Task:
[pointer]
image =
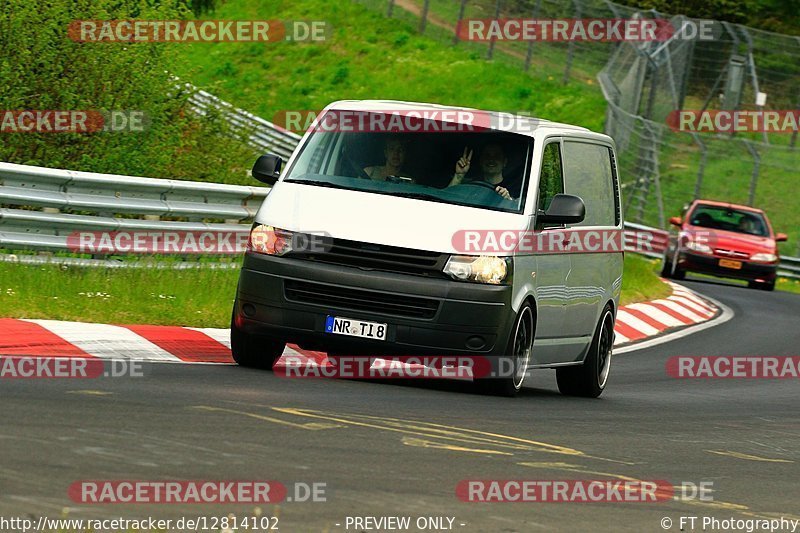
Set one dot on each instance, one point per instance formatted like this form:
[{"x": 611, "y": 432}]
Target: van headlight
[
  {"x": 764, "y": 258},
  {"x": 270, "y": 241},
  {"x": 479, "y": 269}
]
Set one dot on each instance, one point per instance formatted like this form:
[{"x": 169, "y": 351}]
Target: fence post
[
  {"x": 698, "y": 186},
  {"x": 490, "y": 51},
  {"x": 756, "y": 164},
  {"x": 424, "y": 16},
  {"x": 529, "y": 53},
  {"x": 390, "y": 9},
  {"x": 460, "y": 18},
  {"x": 571, "y": 46},
  {"x": 793, "y": 140}
]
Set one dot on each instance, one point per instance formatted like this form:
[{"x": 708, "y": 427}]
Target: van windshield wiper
[
  {"x": 319, "y": 184},
  {"x": 420, "y": 196}
]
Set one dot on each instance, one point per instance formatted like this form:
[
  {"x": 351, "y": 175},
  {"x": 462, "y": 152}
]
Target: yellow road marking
[
  {"x": 313, "y": 426},
  {"x": 748, "y": 457},
  {"x": 422, "y": 443},
  {"x": 439, "y": 431}
]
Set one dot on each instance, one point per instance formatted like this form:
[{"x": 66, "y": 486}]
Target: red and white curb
[
  {"x": 636, "y": 322},
  {"x": 54, "y": 338}
]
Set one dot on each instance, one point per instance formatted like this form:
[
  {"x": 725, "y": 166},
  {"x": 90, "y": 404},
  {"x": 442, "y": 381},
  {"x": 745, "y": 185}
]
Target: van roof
[{"x": 522, "y": 124}]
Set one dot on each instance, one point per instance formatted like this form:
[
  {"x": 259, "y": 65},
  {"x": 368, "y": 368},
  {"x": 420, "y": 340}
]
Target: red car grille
[{"x": 731, "y": 253}]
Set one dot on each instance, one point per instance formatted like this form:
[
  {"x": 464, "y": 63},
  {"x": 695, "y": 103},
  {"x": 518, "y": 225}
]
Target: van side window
[
  {"x": 551, "y": 179},
  {"x": 588, "y": 173}
]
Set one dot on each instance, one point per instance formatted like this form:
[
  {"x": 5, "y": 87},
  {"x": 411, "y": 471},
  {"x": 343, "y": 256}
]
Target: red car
[{"x": 727, "y": 240}]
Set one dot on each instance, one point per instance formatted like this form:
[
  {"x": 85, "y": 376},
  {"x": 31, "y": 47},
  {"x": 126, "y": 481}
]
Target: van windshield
[{"x": 486, "y": 169}]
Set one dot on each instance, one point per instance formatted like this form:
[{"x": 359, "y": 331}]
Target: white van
[{"x": 411, "y": 205}]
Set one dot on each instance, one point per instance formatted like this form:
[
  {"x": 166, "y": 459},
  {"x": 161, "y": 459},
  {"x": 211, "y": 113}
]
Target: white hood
[{"x": 378, "y": 218}]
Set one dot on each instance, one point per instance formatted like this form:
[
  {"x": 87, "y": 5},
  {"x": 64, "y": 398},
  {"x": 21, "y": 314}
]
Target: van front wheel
[
  {"x": 254, "y": 351},
  {"x": 519, "y": 353},
  {"x": 589, "y": 379}
]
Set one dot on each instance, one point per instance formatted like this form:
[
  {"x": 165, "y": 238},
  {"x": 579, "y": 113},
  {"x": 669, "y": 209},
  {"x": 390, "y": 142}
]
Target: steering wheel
[
  {"x": 396, "y": 178},
  {"x": 359, "y": 171},
  {"x": 481, "y": 183}
]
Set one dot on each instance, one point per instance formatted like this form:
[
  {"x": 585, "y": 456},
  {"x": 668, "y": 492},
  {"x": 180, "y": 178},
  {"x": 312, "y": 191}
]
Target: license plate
[
  {"x": 355, "y": 328},
  {"x": 727, "y": 263}
]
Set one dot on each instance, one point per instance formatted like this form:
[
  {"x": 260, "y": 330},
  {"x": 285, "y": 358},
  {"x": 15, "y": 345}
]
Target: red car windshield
[{"x": 729, "y": 219}]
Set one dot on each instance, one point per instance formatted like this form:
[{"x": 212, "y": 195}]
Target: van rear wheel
[
  {"x": 519, "y": 349},
  {"x": 589, "y": 379},
  {"x": 254, "y": 351}
]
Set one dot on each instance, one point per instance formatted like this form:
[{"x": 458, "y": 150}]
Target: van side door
[
  {"x": 551, "y": 268},
  {"x": 596, "y": 266}
]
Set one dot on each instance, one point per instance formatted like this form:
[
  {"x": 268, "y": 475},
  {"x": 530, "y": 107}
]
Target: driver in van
[
  {"x": 492, "y": 160},
  {"x": 394, "y": 153}
]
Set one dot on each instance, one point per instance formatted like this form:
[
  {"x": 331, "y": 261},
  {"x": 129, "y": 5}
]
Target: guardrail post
[{"x": 390, "y": 9}]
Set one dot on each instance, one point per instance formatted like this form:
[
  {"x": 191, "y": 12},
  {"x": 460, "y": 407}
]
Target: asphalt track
[{"x": 400, "y": 449}]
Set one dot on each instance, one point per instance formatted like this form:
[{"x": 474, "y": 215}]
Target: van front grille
[
  {"x": 333, "y": 296},
  {"x": 377, "y": 257}
]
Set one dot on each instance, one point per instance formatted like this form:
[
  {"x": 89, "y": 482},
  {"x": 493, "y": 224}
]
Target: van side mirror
[
  {"x": 781, "y": 237},
  {"x": 564, "y": 209},
  {"x": 267, "y": 168},
  {"x": 676, "y": 221}
]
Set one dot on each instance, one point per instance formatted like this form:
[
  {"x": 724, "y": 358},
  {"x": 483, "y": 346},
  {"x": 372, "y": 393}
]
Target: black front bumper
[
  {"x": 452, "y": 318},
  {"x": 708, "y": 264}
]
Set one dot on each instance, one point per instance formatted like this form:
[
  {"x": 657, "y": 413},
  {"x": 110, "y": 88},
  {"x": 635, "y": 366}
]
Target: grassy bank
[
  {"x": 370, "y": 56},
  {"x": 195, "y": 297}
]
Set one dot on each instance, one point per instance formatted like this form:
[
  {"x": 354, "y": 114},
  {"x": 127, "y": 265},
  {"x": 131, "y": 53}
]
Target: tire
[
  {"x": 254, "y": 351},
  {"x": 666, "y": 266},
  {"x": 669, "y": 268},
  {"x": 589, "y": 379},
  {"x": 520, "y": 347}
]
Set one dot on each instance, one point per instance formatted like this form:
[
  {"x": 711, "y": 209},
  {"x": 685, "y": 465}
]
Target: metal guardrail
[
  {"x": 43, "y": 206},
  {"x": 789, "y": 267},
  {"x": 645, "y": 240},
  {"x": 260, "y": 133},
  {"x": 113, "y": 203}
]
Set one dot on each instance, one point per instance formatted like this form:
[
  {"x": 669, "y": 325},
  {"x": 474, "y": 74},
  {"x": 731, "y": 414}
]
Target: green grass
[
  {"x": 369, "y": 56},
  {"x": 200, "y": 297},
  {"x": 640, "y": 282}
]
